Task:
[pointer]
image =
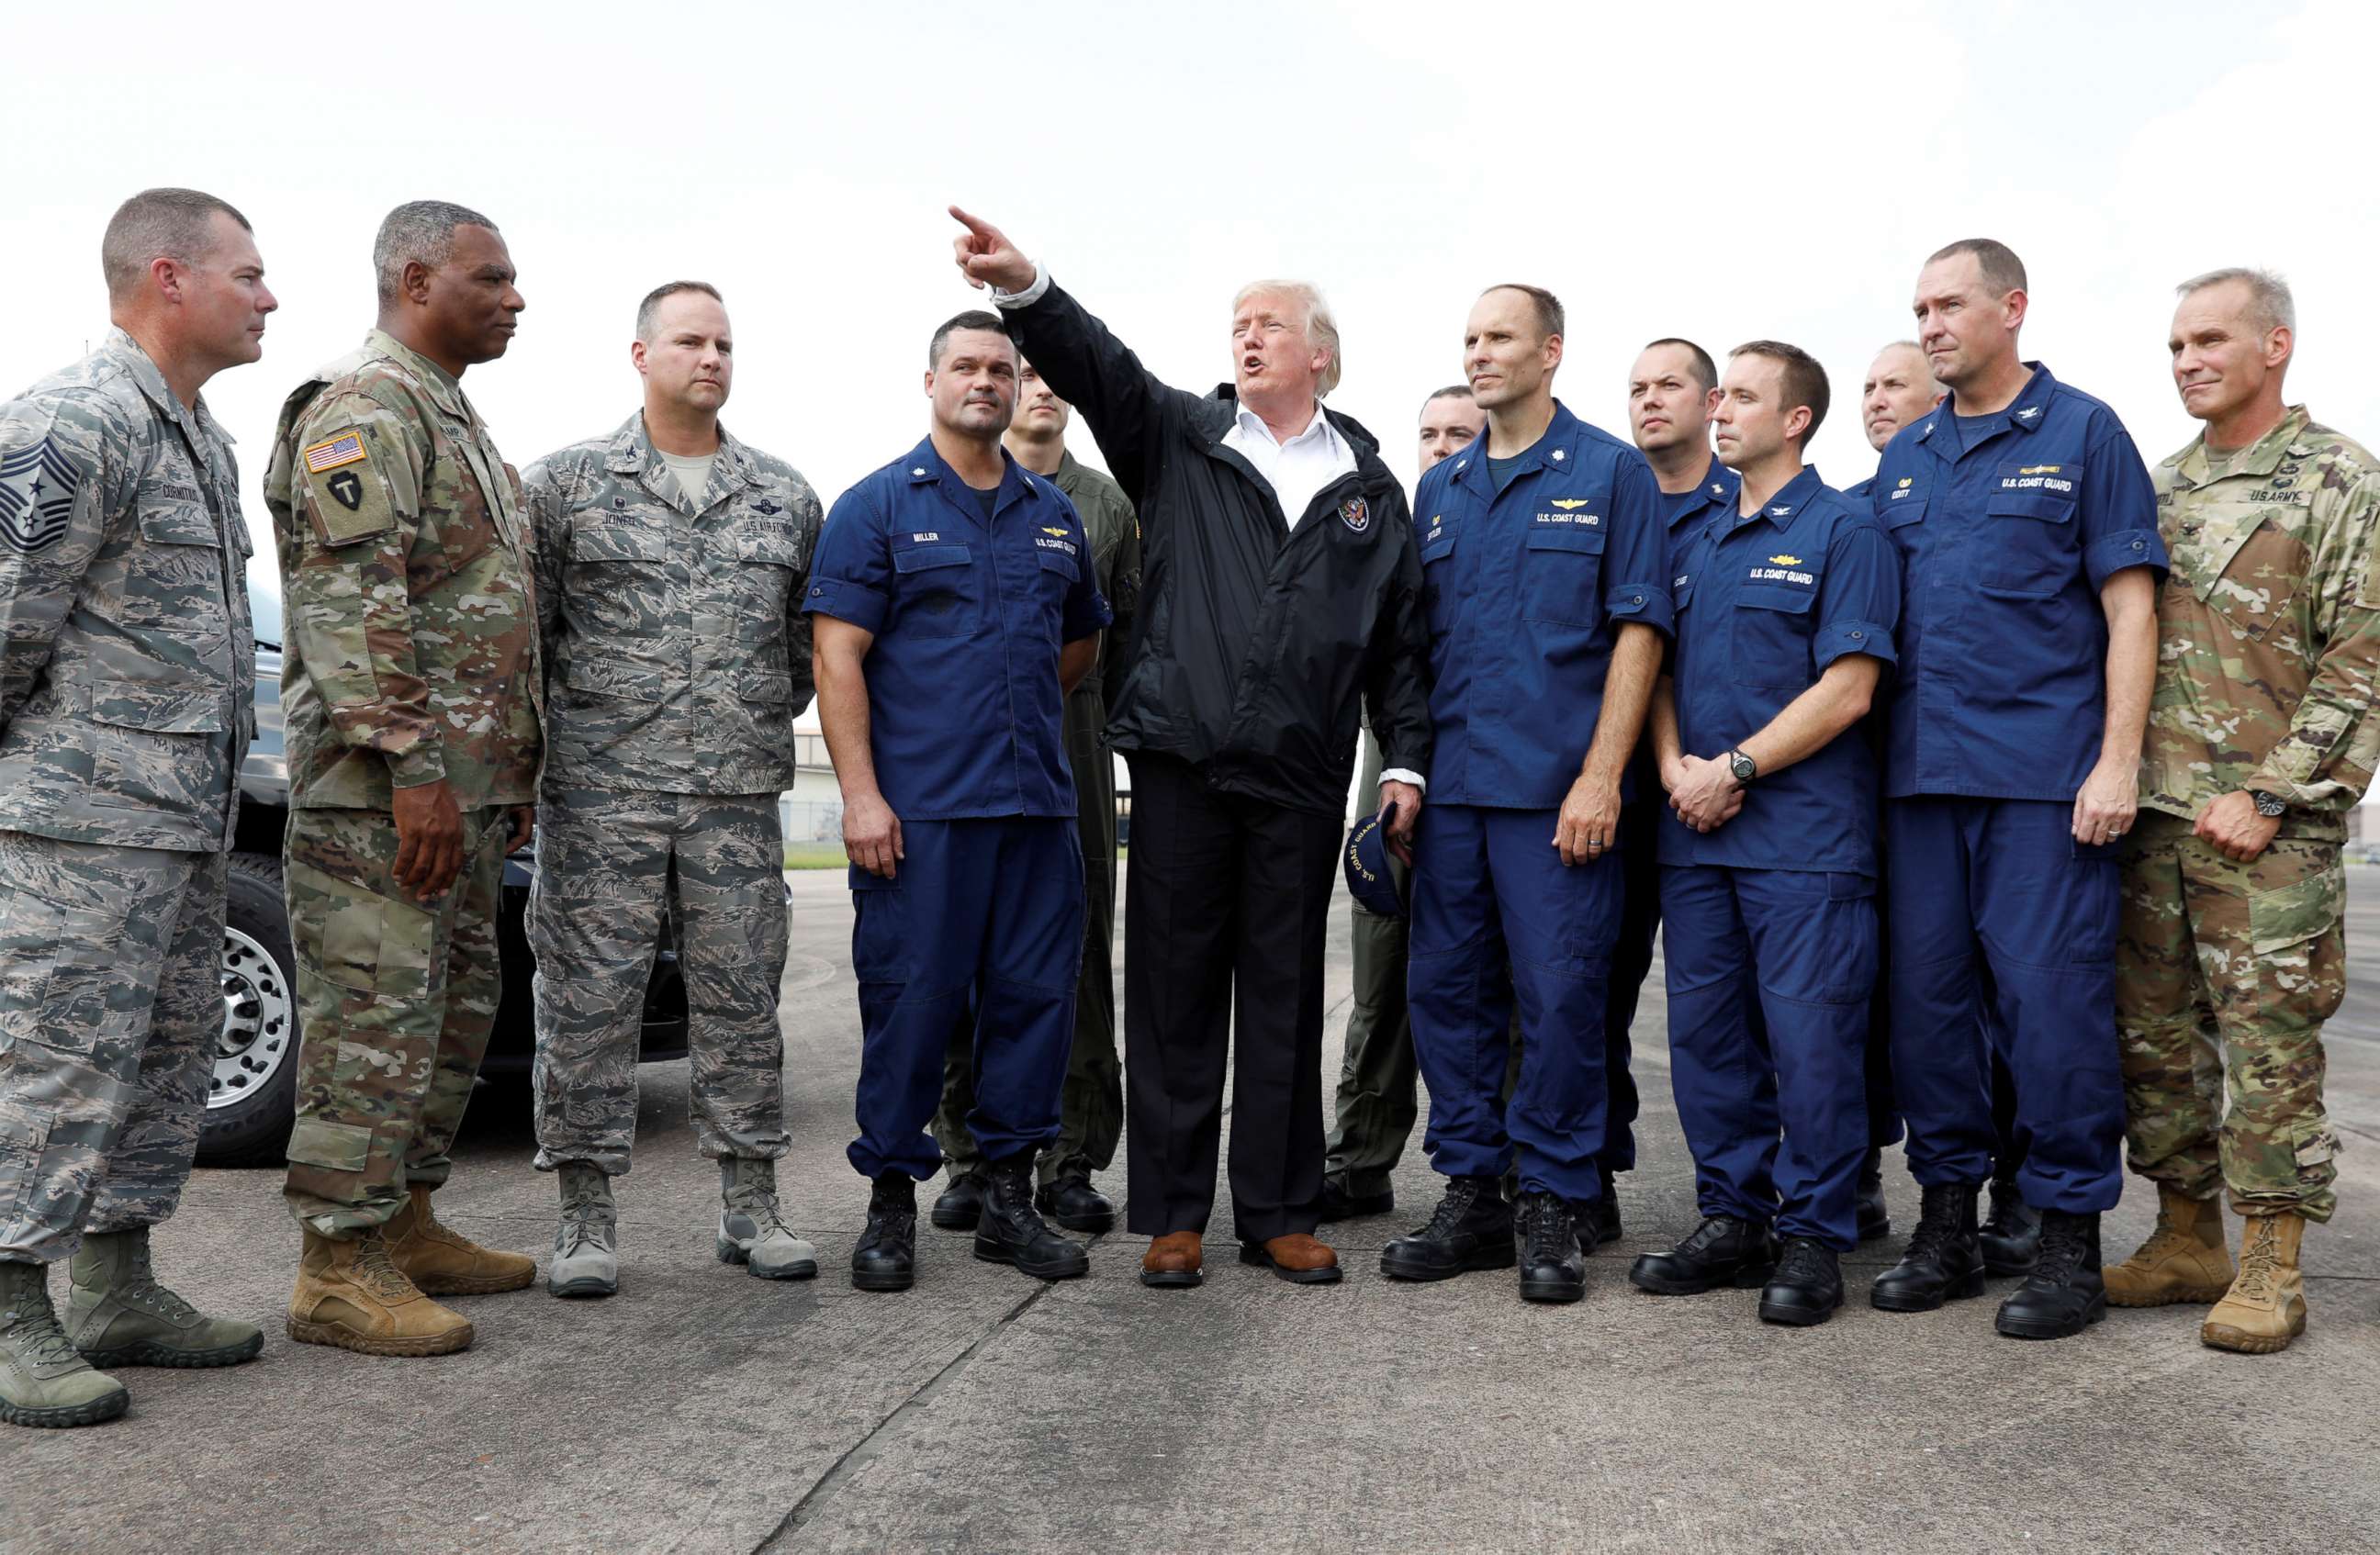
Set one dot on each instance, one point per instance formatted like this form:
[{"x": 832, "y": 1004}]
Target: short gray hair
[
  {"x": 1321, "y": 330},
  {"x": 654, "y": 298},
  {"x": 420, "y": 231},
  {"x": 2270, "y": 304},
  {"x": 174, "y": 225}
]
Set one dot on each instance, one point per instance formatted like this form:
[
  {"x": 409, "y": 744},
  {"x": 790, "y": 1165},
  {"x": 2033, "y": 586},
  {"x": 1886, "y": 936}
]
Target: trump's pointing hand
[{"x": 987, "y": 258}]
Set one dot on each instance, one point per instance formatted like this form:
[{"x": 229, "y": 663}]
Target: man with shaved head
[
  {"x": 1546, "y": 604},
  {"x": 1283, "y": 590},
  {"x": 413, "y": 688},
  {"x": 126, "y": 679},
  {"x": 659, "y": 800}
]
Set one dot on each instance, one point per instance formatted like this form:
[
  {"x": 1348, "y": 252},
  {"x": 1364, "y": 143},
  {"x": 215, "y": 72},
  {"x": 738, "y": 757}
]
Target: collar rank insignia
[
  {"x": 1354, "y": 514},
  {"x": 1557, "y": 455},
  {"x": 1567, "y": 503},
  {"x": 1780, "y": 512},
  {"x": 2028, "y": 413},
  {"x": 1718, "y": 490},
  {"x": 37, "y": 497}
]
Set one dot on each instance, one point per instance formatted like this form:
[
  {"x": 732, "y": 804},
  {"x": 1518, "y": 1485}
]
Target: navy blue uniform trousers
[
  {"x": 1769, "y": 975},
  {"x": 980, "y": 928},
  {"x": 1489, "y": 889},
  {"x": 2004, "y": 937}
]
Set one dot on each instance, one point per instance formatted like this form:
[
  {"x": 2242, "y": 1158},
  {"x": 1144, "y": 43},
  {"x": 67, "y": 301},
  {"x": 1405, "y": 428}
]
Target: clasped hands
[{"x": 1702, "y": 790}]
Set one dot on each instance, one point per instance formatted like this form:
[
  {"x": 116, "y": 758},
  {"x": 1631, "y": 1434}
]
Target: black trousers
[{"x": 1227, "y": 905}]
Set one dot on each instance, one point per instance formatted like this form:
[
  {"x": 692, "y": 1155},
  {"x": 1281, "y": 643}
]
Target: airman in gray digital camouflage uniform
[
  {"x": 127, "y": 667},
  {"x": 672, "y": 560}
]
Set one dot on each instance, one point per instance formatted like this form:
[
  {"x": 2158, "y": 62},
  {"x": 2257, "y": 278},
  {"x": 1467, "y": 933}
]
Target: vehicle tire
[{"x": 253, "y": 1096}]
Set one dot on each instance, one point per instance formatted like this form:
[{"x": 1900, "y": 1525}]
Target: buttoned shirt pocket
[
  {"x": 768, "y": 580},
  {"x": 1437, "y": 583},
  {"x": 1562, "y": 575},
  {"x": 938, "y": 591},
  {"x": 1772, "y": 627},
  {"x": 616, "y": 585},
  {"x": 2247, "y": 566},
  {"x": 2029, "y": 545},
  {"x": 1059, "y": 574}
]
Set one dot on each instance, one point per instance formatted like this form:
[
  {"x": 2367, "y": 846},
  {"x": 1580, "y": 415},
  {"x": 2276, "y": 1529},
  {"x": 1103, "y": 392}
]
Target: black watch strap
[{"x": 1743, "y": 767}]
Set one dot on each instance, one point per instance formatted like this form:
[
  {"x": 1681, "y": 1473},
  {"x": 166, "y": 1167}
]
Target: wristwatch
[
  {"x": 2270, "y": 806},
  {"x": 1741, "y": 766}
]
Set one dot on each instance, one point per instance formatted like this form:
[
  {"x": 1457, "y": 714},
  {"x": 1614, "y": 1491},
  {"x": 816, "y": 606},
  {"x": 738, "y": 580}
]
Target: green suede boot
[
  {"x": 42, "y": 1380},
  {"x": 118, "y": 1315}
]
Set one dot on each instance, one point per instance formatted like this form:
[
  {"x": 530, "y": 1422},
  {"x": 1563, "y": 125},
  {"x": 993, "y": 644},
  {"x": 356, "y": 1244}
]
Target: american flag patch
[{"x": 329, "y": 454}]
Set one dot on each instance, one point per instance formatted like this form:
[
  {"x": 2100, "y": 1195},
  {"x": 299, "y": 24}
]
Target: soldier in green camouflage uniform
[
  {"x": 410, "y": 689},
  {"x": 2261, "y": 739},
  {"x": 127, "y": 675},
  {"x": 1091, "y": 1106},
  {"x": 668, "y": 592}
]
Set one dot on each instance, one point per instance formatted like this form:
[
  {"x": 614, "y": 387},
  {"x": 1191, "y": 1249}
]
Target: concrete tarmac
[{"x": 703, "y": 1410}]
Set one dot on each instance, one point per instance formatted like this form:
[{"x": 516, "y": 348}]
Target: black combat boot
[
  {"x": 2011, "y": 1236},
  {"x": 1598, "y": 1219},
  {"x": 886, "y": 1257},
  {"x": 1807, "y": 1286},
  {"x": 1545, "y": 1237},
  {"x": 1473, "y": 1229},
  {"x": 961, "y": 1204},
  {"x": 1942, "y": 1263},
  {"x": 2064, "y": 1294},
  {"x": 1337, "y": 1203},
  {"x": 1070, "y": 1200},
  {"x": 1011, "y": 1231},
  {"x": 1867, "y": 1202},
  {"x": 1723, "y": 1251}
]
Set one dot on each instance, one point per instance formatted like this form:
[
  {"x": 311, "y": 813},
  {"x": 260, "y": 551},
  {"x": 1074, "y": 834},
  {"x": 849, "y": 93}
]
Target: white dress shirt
[{"x": 1299, "y": 469}]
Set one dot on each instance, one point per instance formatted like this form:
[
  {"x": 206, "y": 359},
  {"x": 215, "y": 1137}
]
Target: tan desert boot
[
  {"x": 2184, "y": 1258},
  {"x": 2265, "y": 1306},
  {"x": 351, "y": 1294},
  {"x": 443, "y": 1262}
]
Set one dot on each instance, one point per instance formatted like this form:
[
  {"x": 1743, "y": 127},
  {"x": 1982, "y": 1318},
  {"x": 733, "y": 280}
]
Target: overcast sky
[{"x": 1718, "y": 171}]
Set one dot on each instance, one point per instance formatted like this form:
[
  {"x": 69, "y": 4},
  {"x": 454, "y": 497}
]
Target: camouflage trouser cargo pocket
[
  {"x": 360, "y": 941},
  {"x": 2229, "y": 972},
  {"x": 334, "y": 1147}
]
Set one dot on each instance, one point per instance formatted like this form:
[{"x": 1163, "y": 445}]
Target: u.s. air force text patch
[{"x": 37, "y": 496}]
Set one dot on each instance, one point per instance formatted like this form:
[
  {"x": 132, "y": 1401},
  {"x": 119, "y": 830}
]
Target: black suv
[{"x": 253, "y": 1095}]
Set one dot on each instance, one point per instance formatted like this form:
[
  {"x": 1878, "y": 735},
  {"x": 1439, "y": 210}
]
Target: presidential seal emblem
[{"x": 1354, "y": 514}]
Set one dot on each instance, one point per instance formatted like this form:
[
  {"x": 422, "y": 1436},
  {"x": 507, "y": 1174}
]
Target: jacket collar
[
  {"x": 198, "y": 424},
  {"x": 444, "y": 392},
  {"x": 1781, "y": 509},
  {"x": 924, "y": 467},
  {"x": 2262, "y": 457},
  {"x": 2025, "y": 413},
  {"x": 1558, "y": 451},
  {"x": 632, "y": 454},
  {"x": 1720, "y": 488}
]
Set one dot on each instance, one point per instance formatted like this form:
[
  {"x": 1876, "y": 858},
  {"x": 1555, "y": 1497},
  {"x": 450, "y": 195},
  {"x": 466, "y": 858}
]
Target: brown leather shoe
[
  {"x": 1174, "y": 1259},
  {"x": 1297, "y": 1257},
  {"x": 441, "y": 1261}
]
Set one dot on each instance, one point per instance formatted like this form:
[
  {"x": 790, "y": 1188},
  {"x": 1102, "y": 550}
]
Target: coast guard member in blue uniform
[
  {"x": 2027, "y": 530},
  {"x": 1785, "y": 605},
  {"x": 955, "y": 608},
  {"x": 1542, "y": 579}
]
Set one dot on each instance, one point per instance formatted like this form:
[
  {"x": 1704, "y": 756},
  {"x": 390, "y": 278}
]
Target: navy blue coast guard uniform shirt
[
  {"x": 1763, "y": 605},
  {"x": 2007, "y": 529},
  {"x": 965, "y": 718},
  {"x": 1526, "y": 590}
]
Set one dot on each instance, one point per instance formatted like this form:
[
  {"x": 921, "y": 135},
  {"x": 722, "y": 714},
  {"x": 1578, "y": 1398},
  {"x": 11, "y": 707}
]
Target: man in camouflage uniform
[
  {"x": 1091, "y": 1105},
  {"x": 126, "y": 673},
  {"x": 2261, "y": 740},
  {"x": 671, "y": 564},
  {"x": 410, "y": 689}
]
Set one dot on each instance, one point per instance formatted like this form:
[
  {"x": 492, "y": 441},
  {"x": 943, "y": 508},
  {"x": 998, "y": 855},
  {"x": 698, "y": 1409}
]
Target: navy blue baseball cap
[{"x": 1375, "y": 878}]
